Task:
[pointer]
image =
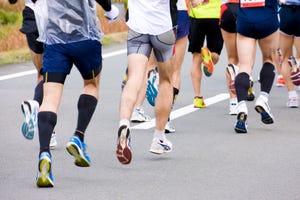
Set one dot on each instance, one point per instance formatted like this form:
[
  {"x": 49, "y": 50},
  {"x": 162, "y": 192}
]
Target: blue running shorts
[{"x": 85, "y": 55}]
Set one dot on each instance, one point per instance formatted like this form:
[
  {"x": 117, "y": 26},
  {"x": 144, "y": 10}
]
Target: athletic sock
[
  {"x": 242, "y": 84},
  {"x": 38, "y": 92},
  {"x": 267, "y": 75},
  {"x": 86, "y": 108},
  {"x": 46, "y": 122}
]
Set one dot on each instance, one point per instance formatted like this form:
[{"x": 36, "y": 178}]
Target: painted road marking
[{"x": 184, "y": 111}]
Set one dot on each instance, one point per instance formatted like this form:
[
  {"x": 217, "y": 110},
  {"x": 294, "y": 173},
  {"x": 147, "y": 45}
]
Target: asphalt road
[{"x": 209, "y": 160}]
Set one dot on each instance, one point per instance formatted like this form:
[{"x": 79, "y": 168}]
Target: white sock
[
  {"x": 293, "y": 94},
  {"x": 159, "y": 134},
  {"x": 124, "y": 122}
]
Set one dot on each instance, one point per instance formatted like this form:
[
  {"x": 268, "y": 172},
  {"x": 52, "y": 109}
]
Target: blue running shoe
[
  {"x": 152, "y": 86},
  {"x": 241, "y": 126},
  {"x": 123, "y": 151},
  {"x": 30, "y": 111},
  {"x": 78, "y": 149},
  {"x": 44, "y": 177}
]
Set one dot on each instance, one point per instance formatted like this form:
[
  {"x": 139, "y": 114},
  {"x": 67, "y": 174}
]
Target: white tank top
[{"x": 149, "y": 16}]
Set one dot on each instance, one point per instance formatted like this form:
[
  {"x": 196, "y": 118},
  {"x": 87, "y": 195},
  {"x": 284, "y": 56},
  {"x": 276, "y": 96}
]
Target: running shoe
[
  {"x": 152, "y": 86},
  {"x": 123, "y": 151},
  {"x": 280, "y": 81},
  {"x": 251, "y": 96},
  {"x": 124, "y": 81},
  {"x": 30, "y": 111},
  {"x": 53, "y": 142},
  {"x": 295, "y": 70},
  {"x": 169, "y": 128},
  {"x": 279, "y": 52},
  {"x": 208, "y": 65},
  {"x": 77, "y": 148},
  {"x": 233, "y": 108},
  {"x": 44, "y": 177},
  {"x": 160, "y": 146},
  {"x": 232, "y": 70},
  {"x": 292, "y": 102},
  {"x": 199, "y": 102},
  {"x": 293, "y": 63},
  {"x": 241, "y": 125},
  {"x": 263, "y": 108},
  {"x": 138, "y": 116}
]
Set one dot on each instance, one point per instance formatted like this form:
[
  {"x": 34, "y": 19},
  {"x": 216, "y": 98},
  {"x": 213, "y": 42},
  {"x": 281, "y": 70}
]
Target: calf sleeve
[
  {"x": 266, "y": 77},
  {"x": 242, "y": 84},
  {"x": 46, "y": 123}
]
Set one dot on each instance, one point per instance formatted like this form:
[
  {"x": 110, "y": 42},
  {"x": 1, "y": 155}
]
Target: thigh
[
  {"x": 246, "y": 48},
  {"x": 163, "y": 45},
  {"x": 196, "y": 36},
  {"x": 89, "y": 63},
  {"x": 228, "y": 17},
  {"x": 214, "y": 37},
  {"x": 138, "y": 43},
  {"x": 290, "y": 16},
  {"x": 56, "y": 59},
  {"x": 183, "y": 24},
  {"x": 268, "y": 46}
]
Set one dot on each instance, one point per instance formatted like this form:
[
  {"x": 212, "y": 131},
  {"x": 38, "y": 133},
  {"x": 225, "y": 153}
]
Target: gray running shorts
[{"x": 163, "y": 44}]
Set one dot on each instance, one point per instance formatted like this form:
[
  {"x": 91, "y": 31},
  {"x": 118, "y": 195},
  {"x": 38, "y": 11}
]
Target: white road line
[
  {"x": 25, "y": 73},
  {"x": 146, "y": 125},
  {"x": 184, "y": 111}
]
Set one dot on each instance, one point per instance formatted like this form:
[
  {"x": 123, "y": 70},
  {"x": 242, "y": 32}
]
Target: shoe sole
[
  {"x": 207, "y": 63},
  {"x": 123, "y": 152},
  {"x": 138, "y": 121},
  {"x": 43, "y": 179},
  {"x": 250, "y": 97},
  {"x": 169, "y": 131},
  {"x": 75, "y": 151},
  {"x": 265, "y": 116},
  {"x": 240, "y": 126},
  {"x": 28, "y": 127}
]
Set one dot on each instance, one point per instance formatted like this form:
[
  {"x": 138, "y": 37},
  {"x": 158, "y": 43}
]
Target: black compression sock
[
  {"x": 267, "y": 75},
  {"x": 38, "y": 92},
  {"x": 46, "y": 123},
  {"x": 242, "y": 84},
  {"x": 86, "y": 107}
]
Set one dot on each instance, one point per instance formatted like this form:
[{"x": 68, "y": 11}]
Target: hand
[
  {"x": 195, "y": 3},
  {"x": 112, "y": 15}
]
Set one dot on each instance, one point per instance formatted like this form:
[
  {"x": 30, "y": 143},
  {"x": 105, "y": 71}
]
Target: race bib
[
  {"x": 233, "y": 1},
  {"x": 252, "y": 3}
]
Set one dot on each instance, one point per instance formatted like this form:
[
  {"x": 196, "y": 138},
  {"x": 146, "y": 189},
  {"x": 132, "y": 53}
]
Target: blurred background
[{"x": 13, "y": 46}]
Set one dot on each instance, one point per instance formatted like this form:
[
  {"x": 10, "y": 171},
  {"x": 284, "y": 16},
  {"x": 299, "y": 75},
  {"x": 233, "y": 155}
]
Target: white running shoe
[
  {"x": 138, "y": 115},
  {"x": 53, "y": 142},
  {"x": 30, "y": 110},
  {"x": 233, "y": 70},
  {"x": 160, "y": 146},
  {"x": 263, "y": 108},
  {"x": 233, "y": 109},
  {"x": 293, "y": 102},
  {"x": 169, "y": 128}
]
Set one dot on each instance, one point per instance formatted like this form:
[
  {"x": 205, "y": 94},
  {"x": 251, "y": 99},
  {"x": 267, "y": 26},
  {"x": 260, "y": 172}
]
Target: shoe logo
[{"x": 166, "y": 147}]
